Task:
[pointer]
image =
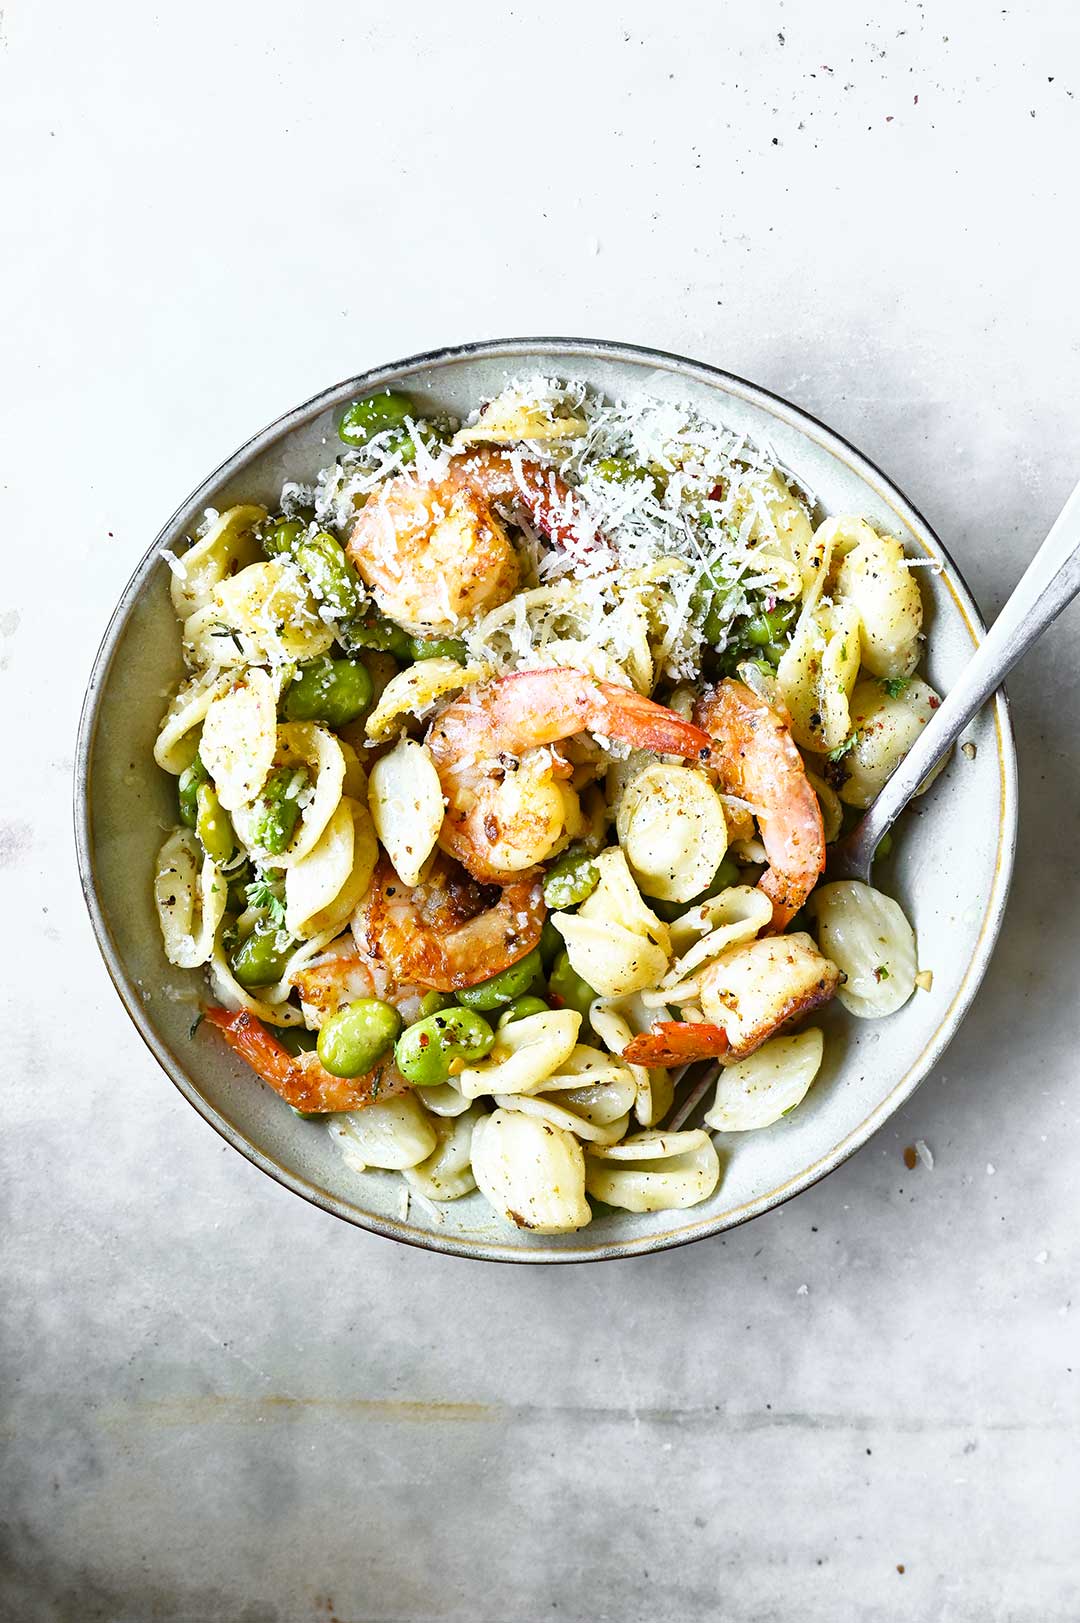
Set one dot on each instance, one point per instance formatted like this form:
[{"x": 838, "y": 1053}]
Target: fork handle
[{"x": 1048, "y": 585}]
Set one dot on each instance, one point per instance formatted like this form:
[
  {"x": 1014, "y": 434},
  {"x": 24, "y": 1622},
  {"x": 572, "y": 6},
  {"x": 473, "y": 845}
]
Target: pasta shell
[
  {"x": 190, "y": 895},
  {"x": 416, "y": 690},
  {"x": 868, "y": 937},
  {"x": 768, "y": 1084},
  {"x": 884, "y": 726},
  {"x": 654, "y": 1172},
  {"x": 391, "y": 1134},
  {"x": 239, "y": 738},
  {"x": 531, "y": 1173},
  {"x": 323, "y": 889},
  {"x": 228, "y": 545},
  {"x": 886, "y": 596},
  {"x": 671, "y": 826},
  {"x": 447, "y": 1172},
  {"x": 525, "y": 1054},
  {"x": 407, "y": 806},
  {"x": 610, "y": 958},
  {"x": 178, "y": 742}
]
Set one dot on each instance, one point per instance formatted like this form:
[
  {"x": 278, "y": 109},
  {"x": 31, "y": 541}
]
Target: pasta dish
[{"x": 506, "y": 760}]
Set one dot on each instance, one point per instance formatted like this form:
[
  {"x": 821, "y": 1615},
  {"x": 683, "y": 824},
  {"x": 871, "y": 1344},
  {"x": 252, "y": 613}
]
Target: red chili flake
[
  {"x": 933, "y": 701},
  {"x": 425, "y": 1040}
]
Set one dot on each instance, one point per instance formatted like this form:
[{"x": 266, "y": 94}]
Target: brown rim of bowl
[{"x": 379, "y": 377}]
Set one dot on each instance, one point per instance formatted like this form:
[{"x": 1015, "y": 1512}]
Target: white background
[{"x": 219, "y": 1403}]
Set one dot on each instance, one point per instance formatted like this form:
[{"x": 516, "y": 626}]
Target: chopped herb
[
  {"x": 262, "y": 894},
  {"x": 881, "y": 973},
  {"x": 894, "y": 686},
  {"x": 196, "y": 1023},
  {"x": 842, "y": 749}
]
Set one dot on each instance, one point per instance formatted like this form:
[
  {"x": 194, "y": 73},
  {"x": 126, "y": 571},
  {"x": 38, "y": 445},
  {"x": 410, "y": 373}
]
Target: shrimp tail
[
  {"x": 676, "y": 1042},
  {"x": 301, "y": 1082},
  {"x": 552, "y": 704}
]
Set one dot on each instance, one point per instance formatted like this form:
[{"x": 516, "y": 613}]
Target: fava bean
[
  {"x": 335, "y": 691},
  {"x": 440, "y": 648},
  {"x": 521, "y": 1008},
  {"x": 435, "y": 1003},
  {"x": 619, "y": 470},
  {"x": 374, "y": 415},
  {"x": 277, "y": 808},
  {"x": 280, "y": 535},
  {"x": 571, "y": 879},
  {"x": 213, "y": 825},
  {"x": 504, "y": 987},
  {"x": 261, "y": 958},
  {"x": 568, "y": 990},
  {"x": 425, "y": 1050},
  {"x": 371, "y": 631},
  {"x": 333, "y": 578},
  {"x": 187, "y": 790},
  {"x": 355, "y": 1038}
]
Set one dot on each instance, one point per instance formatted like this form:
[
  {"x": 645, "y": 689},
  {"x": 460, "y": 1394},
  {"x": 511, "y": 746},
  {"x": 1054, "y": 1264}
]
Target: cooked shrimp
[
  {"x": 676, "y": 1042},
  {"x": 435, "y": 552},
  {"x": 445, "y": 932},
  {"x": 755, "y": 757},
  {"x": 345, "y": 972},
  {"x": 508, "y": 802},
  {"x": 302, "y": 1082}
]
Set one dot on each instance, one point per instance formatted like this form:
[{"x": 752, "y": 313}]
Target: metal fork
[{"x": 1048, "y": 585}]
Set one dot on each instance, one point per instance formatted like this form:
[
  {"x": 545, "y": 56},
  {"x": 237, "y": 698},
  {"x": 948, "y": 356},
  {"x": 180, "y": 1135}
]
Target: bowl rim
[{"x": 509, "y": 348}]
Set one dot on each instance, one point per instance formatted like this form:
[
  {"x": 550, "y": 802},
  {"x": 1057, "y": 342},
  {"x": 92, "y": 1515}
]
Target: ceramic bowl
[{"x": 951, "y": 870}]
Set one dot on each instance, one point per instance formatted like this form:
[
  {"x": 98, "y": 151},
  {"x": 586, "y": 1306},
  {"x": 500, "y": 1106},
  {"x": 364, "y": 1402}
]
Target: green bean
[
  {"x": 521, "y": 1008},
  {"x": 551, "y": 944},
  {"x": 568, "y": 990},
  {"x": 335, "y": 691},
  {"x": 504, "y": 987},
  {"x": 435, "y": 1003},
  {"x": 440, "y": 648},
  {"x": 374, "y": 415},
  {"x": 425, "y": 1050},
  {"x": 280, "y": 535},
  {"x": 371, "y": 631},
  {"x": 332, "y": 576},
  {"x": 213, "y": 825},
  {"x": 187, "y": 789},
  {"x": 260, "y": 960},
  {"x": 571, "y": 879},
  {"x": 277, "y": 808},
  {"x": 357, "y": 1036}
]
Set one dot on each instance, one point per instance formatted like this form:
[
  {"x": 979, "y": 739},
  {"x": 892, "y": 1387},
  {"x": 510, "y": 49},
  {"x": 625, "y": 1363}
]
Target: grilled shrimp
[
  {"x": 345, "y": 972},
  {"x": 445, "y": 932},
  {"x": 508, "y": 802},
  {"x": 435, "y": 552},
  {"x": 755, "y": 757},
  {"x": 302, "y": 1082}
]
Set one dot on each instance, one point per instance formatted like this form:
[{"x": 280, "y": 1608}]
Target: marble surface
[{"x": 219, "y": 1404}]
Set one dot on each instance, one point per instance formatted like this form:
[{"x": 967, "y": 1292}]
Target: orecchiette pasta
[
  {"x": 190, "y": 895},
  {"x": 589, "y": 1096},
  {"x": 239, "y": 737},
  {"x": 525, "y": 1054},
  {"x": 416, "y": 690},
  {"x": 263, "y": 615},
  {"x": 323, "y": 889},
  {"x": 868, "y": 937},
  {"x": 671, "y": 826},
  {"x": 391, "y": 1134},
  {"x": 886, "y": 719},
  {"x": 816, "y": 675},
  {"x": 653, "y": 1172},
  {"x": 307, "y": 745},
  {"x": 616, "y": 1023},
  {"x": 177, "y": 742},
  {"x": 228, "y": 545},
  {"x": 885, "y": 596},
  {"x": 531, "y": 1172},
  {"x": 768, "y": 1084},
  {"x": 447, "y": 1172},
  {"x": 406, "y": 801}
]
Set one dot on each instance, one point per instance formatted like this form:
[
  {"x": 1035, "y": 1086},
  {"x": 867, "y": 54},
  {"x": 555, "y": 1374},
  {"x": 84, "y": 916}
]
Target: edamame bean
[
  {"x": 277, "y": 808},
  {"x": 374, "y": 415},
  {"x": 435, "y": 1003},
  {"x": 403, "y": 444},
  {"x": 213, "y": 825},
  {"x": 715, "y": 598},
  {"x": 357, "y": 1036},
  {"x": 521, "y": 1008},
  {"x": 371, "y": 631},
  {"x": 440, "y": 648},
  {"x": 187, "y": 790},
  {"x": 568, "y": 990},
  {"x": 425, "y": 1050},
  {"x": 280, "y": 535},
  {"x": 619, "y": 470},
  {"x": 332, "y": 576},
  {"x": 504, "y": 987},
  {"x": 260, "y": 960},
  {"x": 335, "y": 691},
  {"x": 571, "y": 879},
  {"x": 551, "y": 944}
]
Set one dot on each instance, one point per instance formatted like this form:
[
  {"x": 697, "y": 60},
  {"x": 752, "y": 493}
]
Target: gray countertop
[{"x": 220, "y": 1404}]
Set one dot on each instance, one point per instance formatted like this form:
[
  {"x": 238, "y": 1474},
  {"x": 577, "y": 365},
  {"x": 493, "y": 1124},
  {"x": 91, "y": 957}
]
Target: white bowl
[{"x": 951, "y": 869}]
